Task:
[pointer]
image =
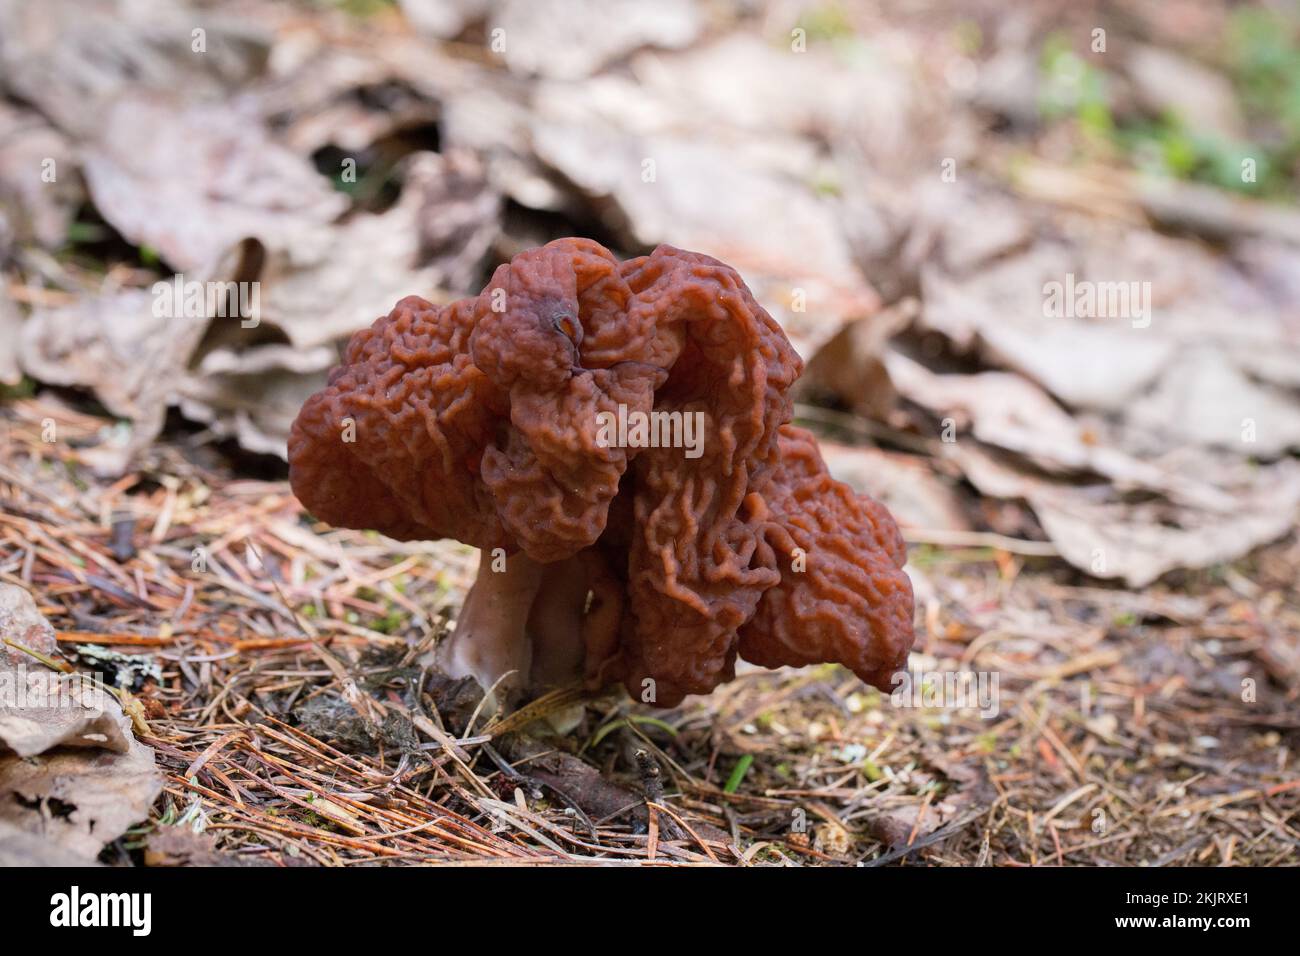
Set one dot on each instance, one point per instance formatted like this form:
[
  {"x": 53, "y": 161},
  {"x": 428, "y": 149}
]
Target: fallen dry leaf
[
  {"x": 11, "y": 321},
  {"x": 698, "y": 195},
  {"x": 179, "y": 845},
  {"x": 1185, "y": 326},
  {"x": 192, "y": 180},
  {"x": 73, "y": 58},
  {"x": 22, "y": 623},
  {"x": 442, "y": 18},
  {"x": 333, "y": 282},
  {"x": 1206, "y": 399},
  {"x": 905, "y": 484},
  {"x": 1003, "y": 409},
  {"x": 39, "y": 183},
  {"x": 330, "y": 282},
  {"x": 79, "y": 799},
  {"x": 1166, "y": 83},
  {"x": 769, "y": 89},
  {"x": 1101, "y": 533},
  {"x": 850, "y": 368},
  {"x": 496, "y": 126},
  {"x": 70, "y": 771},
  {"x": 571, "y": 39},
  {"x": 115, "y": 345},
  {"x": 78, "y": 714},
  {"x": 253, "y": 395},
  {"x": 20, "y": 848}
]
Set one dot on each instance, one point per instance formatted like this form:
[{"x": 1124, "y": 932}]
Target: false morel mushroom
[{"x": 615, "y": 438}]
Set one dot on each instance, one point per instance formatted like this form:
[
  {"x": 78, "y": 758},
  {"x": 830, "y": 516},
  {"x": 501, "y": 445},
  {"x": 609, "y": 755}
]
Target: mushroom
[{"x": 614, "y": 437}]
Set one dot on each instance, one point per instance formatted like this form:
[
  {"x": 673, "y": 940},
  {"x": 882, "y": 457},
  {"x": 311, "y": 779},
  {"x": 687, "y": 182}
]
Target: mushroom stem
[
  {"x": 539, "y": 621},
  {"x": 490, "y": 639},
  {"x": 555, "y": 625}
]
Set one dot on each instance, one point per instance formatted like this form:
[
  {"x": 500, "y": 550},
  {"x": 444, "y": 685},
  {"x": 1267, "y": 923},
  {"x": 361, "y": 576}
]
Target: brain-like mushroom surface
[{"x": 614, "y": 436}]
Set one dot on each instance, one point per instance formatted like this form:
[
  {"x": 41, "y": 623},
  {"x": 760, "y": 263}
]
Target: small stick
[{"x": 124, "y": 640}]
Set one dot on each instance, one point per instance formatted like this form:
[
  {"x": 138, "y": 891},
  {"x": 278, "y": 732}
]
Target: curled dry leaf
[
  {"x": 571, "y": 39},
  {"x": 666, "y": 187},
  {"x": 22, "y": 623},
  {"x": 1102, "y": 533},
  {"x": 322, "y": 283},
  {"x": 1196, "y": 508},
  {"x": 70, "y": 771},
  {"x": 1210, "y": 401},
  {"x": 905, "y": 484},
  {"x": 73, "y": 58},
  {"x": 20, "y": 848},
  {"x": 902, "y": 826},
  {"x": 442, "y": 18},
  {"x": 767, "y": 89},
  {"x": 319, "y": 92},
  {"x": 496, "y": 126},
  {"x": 253, "y": 395},
  {"x": 39, "y": 184},
  {"x": 1003, "y": 409},
  {"x": 850, "y": 365},
  {"x": 116, "y": 345},
  {"x": 79, "y": 799},
  {"x": 179, "y": 845},
  {"x": 1176, "y": 343},
  {"x": 58, "y": 711},
  {"x": 192, "y": 180},
  {"x": 329, "y": 282},
  {"x": 332, "y": 282},
  {"x": 11, "y": 321}
]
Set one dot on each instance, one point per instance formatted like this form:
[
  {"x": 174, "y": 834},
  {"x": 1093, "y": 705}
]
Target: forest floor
[
  {"x": 939, "y": 201},
  {"x": 277, "y": 665}
]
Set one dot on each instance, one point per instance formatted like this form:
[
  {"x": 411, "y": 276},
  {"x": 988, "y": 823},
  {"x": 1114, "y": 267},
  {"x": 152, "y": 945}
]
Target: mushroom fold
[{"x": 617, "y": 435}]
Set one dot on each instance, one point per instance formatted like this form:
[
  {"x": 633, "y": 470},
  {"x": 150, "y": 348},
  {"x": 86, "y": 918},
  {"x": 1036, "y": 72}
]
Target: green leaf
[
  {"x": 738, "y": 774},
  {"x": 603, "y": 732},
  {"x": 653, "y": 722}
]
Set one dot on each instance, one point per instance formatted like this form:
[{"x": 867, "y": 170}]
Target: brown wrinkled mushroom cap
[{"x": 479, "y": 421}]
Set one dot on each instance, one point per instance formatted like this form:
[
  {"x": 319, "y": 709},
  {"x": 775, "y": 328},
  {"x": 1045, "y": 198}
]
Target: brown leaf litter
[
  {"x": 1126, "y": 722},
  {"x": 71, "y": 773},
  {"x": 1029, "y": 456}
]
